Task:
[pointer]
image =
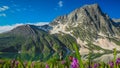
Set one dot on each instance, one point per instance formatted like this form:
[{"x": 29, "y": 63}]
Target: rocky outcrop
[{"x": 89, "y": 24}]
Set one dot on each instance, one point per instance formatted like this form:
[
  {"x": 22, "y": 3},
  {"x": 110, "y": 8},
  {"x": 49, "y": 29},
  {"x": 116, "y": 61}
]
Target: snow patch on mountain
[
  {"x": 106, "y": 44},
  {"x": 45, "y": 27},
  {"x": 83, "y": 50},
  {"x": 60, "y": 28}
]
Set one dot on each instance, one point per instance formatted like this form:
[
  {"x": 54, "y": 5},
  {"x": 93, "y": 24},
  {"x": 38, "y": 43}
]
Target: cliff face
[
  {"x": 88, "y": 18},
  {"x": 90, "y": 27}
]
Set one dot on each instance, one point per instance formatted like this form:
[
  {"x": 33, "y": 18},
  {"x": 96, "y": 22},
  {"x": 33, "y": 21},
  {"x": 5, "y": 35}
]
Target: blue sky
[
  {"x": 40, "y": 11},
  {"x": 24, "y": 11}
]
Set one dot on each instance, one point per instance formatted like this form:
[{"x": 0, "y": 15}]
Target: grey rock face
[
  {"x": 88, "y": 21},
  {"x": 26, "y": 30}
]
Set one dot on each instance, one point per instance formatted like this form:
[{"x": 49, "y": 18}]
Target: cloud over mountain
[{"x": 10, "y": 27}]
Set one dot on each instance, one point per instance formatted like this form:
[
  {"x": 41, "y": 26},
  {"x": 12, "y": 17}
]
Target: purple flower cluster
[
  {"x": 96, "y": 65},
  {"x": 118, "y": 61},
  {"x": 75, "y": 63},
  {"x": 16, "y": 63},
  {"x": 111, "y": 64},
  {"x": 46, "y": 66}
]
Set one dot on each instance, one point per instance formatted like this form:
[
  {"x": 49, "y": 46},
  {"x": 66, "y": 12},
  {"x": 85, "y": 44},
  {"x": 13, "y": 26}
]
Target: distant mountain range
[
  {"x": 88, "y": 27},
  {"x": 116, "y": 20}
]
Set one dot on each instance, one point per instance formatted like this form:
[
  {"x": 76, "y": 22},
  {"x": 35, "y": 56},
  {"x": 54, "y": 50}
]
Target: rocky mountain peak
[
  {"x": 25, "y": 30},
  {"x": 86, "y": 10},
  {"x": 88, "y": 19},
  {"x": 95, "y": 6}
]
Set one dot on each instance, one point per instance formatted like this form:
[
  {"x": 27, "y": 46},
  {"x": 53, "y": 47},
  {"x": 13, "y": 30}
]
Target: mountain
[
  {"x": 89, "y": 17},
  {"x": 88, "y": 27},
  {"x": 33, "y": 40},
  {"x": 45, "y": 28},
  {"x": 116, "y": 20}
]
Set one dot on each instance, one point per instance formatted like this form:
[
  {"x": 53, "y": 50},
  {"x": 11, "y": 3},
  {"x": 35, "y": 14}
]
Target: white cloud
[
  {"x": 2, "y": 15},
  {"x": 10, "y": 27},
  {"x": 60, "y": 3},
  {"x": 39, "y": 23},
  {"x": 4, "y": 8}
]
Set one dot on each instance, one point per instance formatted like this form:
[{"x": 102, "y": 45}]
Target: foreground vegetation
[{"x": 68, "y": 62}]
